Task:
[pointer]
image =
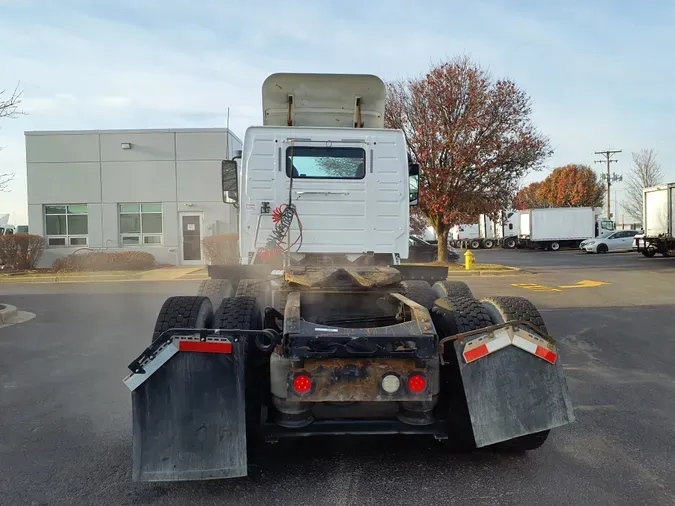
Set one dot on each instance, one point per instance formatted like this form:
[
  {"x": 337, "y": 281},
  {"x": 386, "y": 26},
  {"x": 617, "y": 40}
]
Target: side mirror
[
  {"x": 229, "y": 179},
  {"x": 414, "y": 183}
]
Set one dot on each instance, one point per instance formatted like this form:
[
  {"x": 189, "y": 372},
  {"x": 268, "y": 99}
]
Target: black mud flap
[
  {"x": 512, "y": 393},
  {"x": 189, "y": 418}
]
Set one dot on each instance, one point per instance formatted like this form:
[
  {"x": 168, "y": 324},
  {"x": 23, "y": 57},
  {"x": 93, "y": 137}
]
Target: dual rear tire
[
  {"x": 239, "y": 312},
  {"x": 464, "y": 314}
]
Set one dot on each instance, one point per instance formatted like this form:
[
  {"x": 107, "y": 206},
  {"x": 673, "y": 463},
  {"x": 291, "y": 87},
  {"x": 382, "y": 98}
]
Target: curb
[
  {"x": 511, "y": 271},
  {"x": 7, "y": 313}
]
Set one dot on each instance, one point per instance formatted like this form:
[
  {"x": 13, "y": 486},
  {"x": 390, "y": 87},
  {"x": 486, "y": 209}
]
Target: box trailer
[
  {"x": 658, "y": 208},
  {"x": 556, "y": 227}
]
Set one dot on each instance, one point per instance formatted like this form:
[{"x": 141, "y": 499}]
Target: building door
[{"x": 191, "y": 238}]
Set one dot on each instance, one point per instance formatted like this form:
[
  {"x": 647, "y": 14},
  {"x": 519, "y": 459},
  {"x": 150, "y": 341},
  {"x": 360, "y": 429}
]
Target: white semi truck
[
  {"x": 319, "y": 330},
  {"x": 558, "y": 227},
  {"x": 464, "y": 236},
  {"x": 658, "y": 213},
  {"x": 503, "y": 231}
]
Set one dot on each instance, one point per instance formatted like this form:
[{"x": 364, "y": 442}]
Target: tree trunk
[{"x": 442, "y": 236}]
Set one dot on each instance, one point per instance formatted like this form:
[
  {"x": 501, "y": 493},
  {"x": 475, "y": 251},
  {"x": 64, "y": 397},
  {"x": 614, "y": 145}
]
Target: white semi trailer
[
  {"x": 558, "y": 227},
  {"x": 658, "y": 209}
]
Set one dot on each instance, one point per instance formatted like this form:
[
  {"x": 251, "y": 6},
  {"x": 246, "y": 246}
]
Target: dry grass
[{"x": 459, "y": 266}]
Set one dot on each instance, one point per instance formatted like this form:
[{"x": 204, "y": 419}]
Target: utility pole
[{"x": 609, "y": 177}]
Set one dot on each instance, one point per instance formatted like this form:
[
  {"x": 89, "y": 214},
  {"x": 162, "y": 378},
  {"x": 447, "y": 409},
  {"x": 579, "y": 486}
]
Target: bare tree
[
  {"x": 644, "y": 172},
  {"x": 9, "y": 108}
]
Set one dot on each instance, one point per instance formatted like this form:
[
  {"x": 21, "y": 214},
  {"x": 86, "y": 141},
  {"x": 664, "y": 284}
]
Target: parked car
[
  {"x": 619, "y": 240},
  {"x": 421, "y": 251}
]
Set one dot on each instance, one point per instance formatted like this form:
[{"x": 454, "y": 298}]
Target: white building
[{"x": 150, "y": 190}]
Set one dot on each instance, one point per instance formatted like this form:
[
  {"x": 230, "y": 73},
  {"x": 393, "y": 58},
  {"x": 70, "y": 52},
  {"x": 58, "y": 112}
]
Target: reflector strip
[
  {"x": 490, "y": 346},
  {"x": 476, "y": 353},
  {"x": 527, "y": 341},
  {"x": 497, "y": 344},
  {"x": 205, "y": 346},
  {"x": 524, "y": 344},
  {"x": 547, "y": 355}
]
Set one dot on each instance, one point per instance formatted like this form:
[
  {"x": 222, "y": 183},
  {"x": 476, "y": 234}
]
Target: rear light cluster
[
  {"x": 302, "y": 384},
  {"x": 390, "y": 383}
]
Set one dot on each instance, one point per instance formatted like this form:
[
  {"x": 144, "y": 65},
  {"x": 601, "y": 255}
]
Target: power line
[{"x": 609, "y": 177}]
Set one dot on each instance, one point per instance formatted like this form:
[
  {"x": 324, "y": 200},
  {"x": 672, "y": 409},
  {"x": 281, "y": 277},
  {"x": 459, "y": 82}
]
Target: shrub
[
  {"x": 21, "y": 251},
  {"x": 106, "y": 261},
  {"x": 221, "y": 249}
]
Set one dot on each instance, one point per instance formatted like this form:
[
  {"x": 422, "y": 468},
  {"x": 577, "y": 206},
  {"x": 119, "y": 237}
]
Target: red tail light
[
  {"x": 417, "y": 383},
  {"x": 302, "y": 383}
]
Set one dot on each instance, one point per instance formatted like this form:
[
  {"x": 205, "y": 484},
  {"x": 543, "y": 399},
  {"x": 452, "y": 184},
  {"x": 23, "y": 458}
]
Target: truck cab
[{"x": 324, "y": 158}]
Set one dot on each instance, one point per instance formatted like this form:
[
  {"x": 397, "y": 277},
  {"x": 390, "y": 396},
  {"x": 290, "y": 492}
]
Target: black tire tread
[
  {"x": 243, "y": 313},
  {"x": 183, "y": 312},
  {"x": 451, "y": 289},
  {"x": 419, "y": 291},
  {"x": 468, "y": 313},
  {"x": 517, "y": 308},
  {"x": 249, "y": 288},
  {"x": 216, "y": 290},
  {"x": 240, "y": 312}
]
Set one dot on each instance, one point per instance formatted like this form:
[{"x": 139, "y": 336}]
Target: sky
[{"x": 599, "y": 76}]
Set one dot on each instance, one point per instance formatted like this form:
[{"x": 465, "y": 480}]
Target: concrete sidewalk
[{"x": 160, "y": 274}]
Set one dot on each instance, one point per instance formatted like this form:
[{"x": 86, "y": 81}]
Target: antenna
[{"x": 227, "y": 138}]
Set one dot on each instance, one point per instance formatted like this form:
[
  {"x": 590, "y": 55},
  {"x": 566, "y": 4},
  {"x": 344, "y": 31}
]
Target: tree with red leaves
[
  {"x": 472, "y": 136},
  {"x": 527, "y": 197},
  {"x": 572, "y": 186}
]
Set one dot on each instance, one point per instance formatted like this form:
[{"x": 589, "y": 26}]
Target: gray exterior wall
[{"x": 178, "y": 168}]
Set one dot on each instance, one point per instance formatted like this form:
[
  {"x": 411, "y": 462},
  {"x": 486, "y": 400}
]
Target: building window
[
  {"x": 66, "y": 225},
  {"x": 140, "y": 224}
]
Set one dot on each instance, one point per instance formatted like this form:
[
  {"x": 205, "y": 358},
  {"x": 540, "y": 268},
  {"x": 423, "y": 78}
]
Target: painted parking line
[
  {"x": 535, "y": 287},
  {"x": 586, "y": 283}
]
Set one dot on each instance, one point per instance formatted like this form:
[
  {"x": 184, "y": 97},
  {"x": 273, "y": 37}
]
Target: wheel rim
[
  {"x": 510, "y": 243},
  {"x": 488, "y": 244},
  {"x": 475, "y": 244},
  {"x": 555, "y": 246}
]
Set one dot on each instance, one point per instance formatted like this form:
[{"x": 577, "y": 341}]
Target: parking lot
[{"x": 65, "y": 425}]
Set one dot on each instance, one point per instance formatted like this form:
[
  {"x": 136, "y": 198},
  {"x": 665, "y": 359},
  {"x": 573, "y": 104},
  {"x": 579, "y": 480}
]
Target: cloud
[{"x": 596, "y": 77}]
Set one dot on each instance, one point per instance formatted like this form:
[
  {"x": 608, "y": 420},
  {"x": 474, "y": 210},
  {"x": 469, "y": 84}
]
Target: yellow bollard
[{"x": 468, "y": 260}]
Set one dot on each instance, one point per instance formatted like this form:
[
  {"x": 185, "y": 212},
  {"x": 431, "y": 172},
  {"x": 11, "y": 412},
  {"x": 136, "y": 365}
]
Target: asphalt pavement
[
  {"x": 65, "y": 425},
  {"x": 569, "y": 259}
]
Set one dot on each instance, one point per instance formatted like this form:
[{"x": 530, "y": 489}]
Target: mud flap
[
  {"x": 510, "y": 392},
  {"x": 189, "y": 416}
]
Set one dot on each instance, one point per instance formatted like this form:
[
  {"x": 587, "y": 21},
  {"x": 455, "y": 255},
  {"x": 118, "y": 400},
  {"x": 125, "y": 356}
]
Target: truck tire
[
  {"x": 454, "y": 315},
  {"x": 467, "y": 314},
  {"x": 244, "y": 313},
  {"x": 451, "y": 289},
  {"x": 474, "y": 244},
  {"x": 510, "y": 243},
  {"x": 503, "y": 309},
  {"x": 216, "y": 290},
  {"x": 649, "y": 253},
  {"x": 183, "y": 313},
  {"x": 488, "y": 243},
  {"x": 258, "y": 288},
  {"x": 419, "y": 291},
  {"x": 554, "y": 246}
]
